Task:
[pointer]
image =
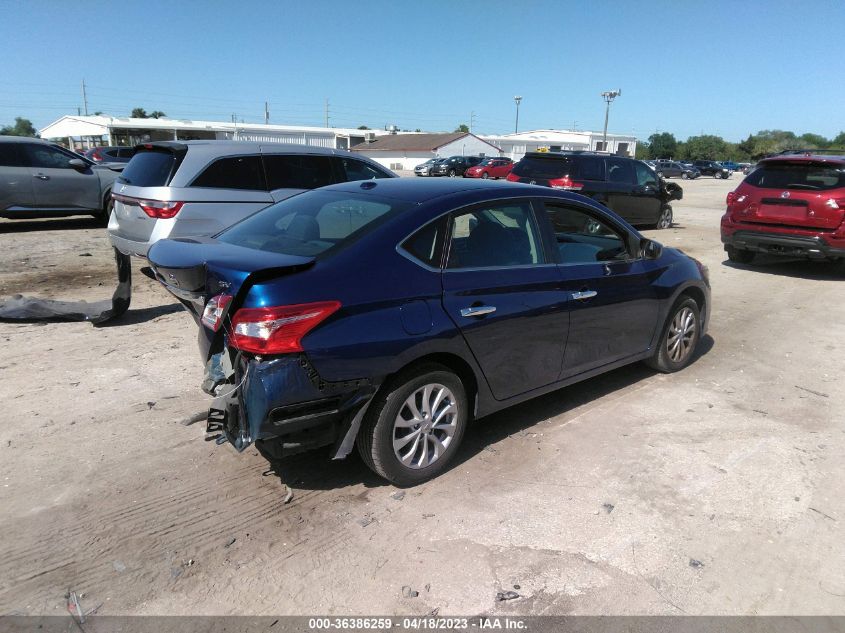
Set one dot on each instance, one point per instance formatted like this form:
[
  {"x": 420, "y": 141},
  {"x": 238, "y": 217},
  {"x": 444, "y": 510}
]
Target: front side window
[
  {"x": 583, "y": 238},
  {"x": 291, "y": 171},
  {"x": 312, "y": 223},
  {"x": 645, "y": 175},
  {"x": 494, "y": 236},
  {"x": 47, "y": 157},
  {"x": 233, "y": 172},
  {"x": 359, "y": 170}
]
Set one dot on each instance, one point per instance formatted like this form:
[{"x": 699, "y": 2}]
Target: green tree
[
  {"x": 663, "y": 145},
  {"x": 642, "y": 151},
  {"x": 463, "y": 127},
  {"x": 363, "y": 127},
  {"x": 139, "y": 113},
  {"x": 157, "y": 114},
  {"x": 22, "y": 127},
  {"x": 813, "y": 141},
  {"x": 706, "y": 146},
  {"x": 839, "y": 140}
]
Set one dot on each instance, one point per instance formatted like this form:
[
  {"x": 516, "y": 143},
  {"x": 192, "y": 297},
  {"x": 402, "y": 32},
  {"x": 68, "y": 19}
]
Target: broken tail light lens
[
  {"x": 212, "y": 315},
  {"x": 565, "y": 183},
  {"x": 277, "y": 330},
  {"x": 159, "y": 209}
]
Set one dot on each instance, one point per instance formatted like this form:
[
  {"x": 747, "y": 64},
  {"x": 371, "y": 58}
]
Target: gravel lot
[{"x": 717, "y": 490}]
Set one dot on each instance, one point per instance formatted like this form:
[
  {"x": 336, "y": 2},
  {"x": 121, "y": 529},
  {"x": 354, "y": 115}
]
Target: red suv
[
  {"x": 792, "y": 205},
  {"x": 490, "y": 168}
]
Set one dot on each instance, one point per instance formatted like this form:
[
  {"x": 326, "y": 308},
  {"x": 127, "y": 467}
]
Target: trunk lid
[
  {"x": 196, "y": 269},
  {"x": 800, "y": 193}
]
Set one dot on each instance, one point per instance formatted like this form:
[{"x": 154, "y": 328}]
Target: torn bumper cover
[
  {"x": 282, "y": 404},
  {"x": 20, "y": 308}
]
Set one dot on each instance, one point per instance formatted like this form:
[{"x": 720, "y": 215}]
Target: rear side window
[
  {"x": 808, "y": 176},
  {"x": 11, "y": 156},
  {"x": 619, "y": 170},
  {"x": 233, "y": 172},
  {"x": 149, "y": 169},
  {"x": 426, "y": 244},
  {"x": 545, "y": 168},
  {"x": 352, "y": 169},
  {"x": 312, "y": 223},
  {"x": 592, "y": 169},
  {"x": 297, "y": 172}
]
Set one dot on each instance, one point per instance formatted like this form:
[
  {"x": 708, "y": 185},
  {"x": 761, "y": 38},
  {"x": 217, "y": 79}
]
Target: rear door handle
[
  {"x": 581, "y": 295},
  {"x": 42, "y": 177},
  {"x": 477, "y": 311}
]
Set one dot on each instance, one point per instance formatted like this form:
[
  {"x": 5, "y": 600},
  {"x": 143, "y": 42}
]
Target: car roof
[
  {"x": 805, "y": 158},
  {"x": 418, "y": 190},
  {"x": 225, "y": 148},
  {"x": 23, "y": 139}
]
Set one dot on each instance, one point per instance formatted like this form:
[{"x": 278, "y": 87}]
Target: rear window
[
  {"x": 545, "y": 168},
  {"x": 149, "y": 169},
  {"x": 806, "y": 176},
  {"x": 233, "y": 172},
  {"x": 312, "y": 223}
]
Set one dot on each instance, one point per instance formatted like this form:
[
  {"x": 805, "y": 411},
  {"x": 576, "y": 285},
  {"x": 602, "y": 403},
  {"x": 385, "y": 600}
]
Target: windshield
[
  {"x": 810, "y": 176},
  {"x": 149, "y": 169},
  {"x": 312, "y": 223}
]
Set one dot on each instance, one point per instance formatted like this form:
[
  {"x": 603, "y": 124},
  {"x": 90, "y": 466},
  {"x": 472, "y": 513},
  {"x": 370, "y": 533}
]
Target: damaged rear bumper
[{"x": 283, "y": 404}]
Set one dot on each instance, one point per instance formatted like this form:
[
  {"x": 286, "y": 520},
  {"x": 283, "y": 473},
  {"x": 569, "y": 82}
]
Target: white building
[
  {"x": 406, "y": 151},
  {"x": 515, "y": 146},
  {"x": 82, "y": 132}
]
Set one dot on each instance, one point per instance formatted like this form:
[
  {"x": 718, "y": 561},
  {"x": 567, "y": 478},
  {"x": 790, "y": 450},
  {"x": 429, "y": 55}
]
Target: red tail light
[
  {"x": 212, "y": 316},
  {"x": 159, "y": 209},
  {"x": 278, "y": 330},
  {"x": 565, "y": 183},
  {"x": 513, "y": 177},
  {"x": 731, "y": 197}
]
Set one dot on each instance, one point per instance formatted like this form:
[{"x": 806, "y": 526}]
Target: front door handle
[
  {"x": 582, "y": 295},
  {"x": 477, "y": 311},
  {"x": 42, "y": 177}
]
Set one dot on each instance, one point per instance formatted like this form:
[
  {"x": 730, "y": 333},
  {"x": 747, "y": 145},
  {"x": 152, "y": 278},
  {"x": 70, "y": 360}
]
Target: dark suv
[
  {"x": 788, "y": 205},
  {"x": 455, "y": 165},
  {"x": 628, "y": 186},
  {"x": 712, "y": 168}
]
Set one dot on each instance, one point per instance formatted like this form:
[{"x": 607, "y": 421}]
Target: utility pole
[
  {"x": 608, "y": 96},
  {"x": 266, "y": 113},
  {"x": 517, "y": 100},
  {"x": 234, "y": 118},
  {"x": 471, "y": 121},
  {"x": 84, "y": 98},
  {"x": 327, "y": 112}
]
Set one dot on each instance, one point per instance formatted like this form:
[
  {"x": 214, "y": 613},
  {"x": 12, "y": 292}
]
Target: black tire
[
  {"x": 664, "y": 220},
  {"x": 376, "y": 436},
  {"x": 452, "y": 173},
  {"x": 740, "y": 255},
  {"x": 717, "y": 176},
  {"x": 663, "y": 356},
  {"x": 660, "y": 174},
  {"x": 685, "y": 175},
  {"x": 485, "y": 175},
  {"x": 103, "y": 216}
]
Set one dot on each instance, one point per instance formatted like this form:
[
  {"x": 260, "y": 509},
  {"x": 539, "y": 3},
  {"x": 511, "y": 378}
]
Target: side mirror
[
  {"x": 78, "y": 164},
  {"x": 651, "y": 249}
]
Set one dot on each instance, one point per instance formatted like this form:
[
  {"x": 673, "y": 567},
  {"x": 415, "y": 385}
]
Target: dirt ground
[{"x": 717, "y": 490}]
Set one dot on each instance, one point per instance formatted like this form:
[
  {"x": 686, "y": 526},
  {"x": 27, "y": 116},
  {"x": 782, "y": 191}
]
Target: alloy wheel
[
  {"x": 665, "y": 220},
  {"x": 681, "y": 335},
  {"x": 425, "y": 426}
]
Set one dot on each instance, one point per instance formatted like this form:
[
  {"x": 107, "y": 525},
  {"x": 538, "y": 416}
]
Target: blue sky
[{"x": 729, "y": 68}]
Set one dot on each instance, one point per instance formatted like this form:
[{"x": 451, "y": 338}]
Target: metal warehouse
[
  {"x": 406, "y": 151},
  {"x": 82, "y": 132}
]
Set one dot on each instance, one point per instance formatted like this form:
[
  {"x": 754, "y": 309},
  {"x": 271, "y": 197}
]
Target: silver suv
[
  {"x": 42, "y": 180},
  {"x": 198, "y": 188}
]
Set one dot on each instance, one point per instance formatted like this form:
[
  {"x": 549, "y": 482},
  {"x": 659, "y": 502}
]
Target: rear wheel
[
  {"x": 679, "y": 339},
  {"x": 414, "y": 425},
  {"x": 452, "y": 173},
  {"x": 103, "y": 216},
  {"x": 685, "y": 175},
  {"x": 660, "y": 174},
  {"x": 717, "y": 175},
  {"x": 739, "y": 255}
]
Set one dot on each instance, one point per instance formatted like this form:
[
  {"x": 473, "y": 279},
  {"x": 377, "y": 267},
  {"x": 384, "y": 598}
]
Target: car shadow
[
  {"x": 797, "y": 268},
  {"x": 52, "y": 224},
  {"x": 142, "y": 315},
  {"x": 315, "y": 470}
]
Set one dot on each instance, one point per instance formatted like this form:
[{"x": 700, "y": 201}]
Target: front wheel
[
  {"x": 717, "y": 176},
  {"x": 485, "y": 175},
  {"x": 452, "y": 173},
  {"x": 665, "y": 219},
  {"x": 685, "y": 176},
  {"x": 679, "y": 339},
  {"x": 414, "y": 425},
  {"x": 660, "y": 174}
]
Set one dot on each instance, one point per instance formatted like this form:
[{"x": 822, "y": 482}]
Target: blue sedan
[{"x": 387, "y": 314}]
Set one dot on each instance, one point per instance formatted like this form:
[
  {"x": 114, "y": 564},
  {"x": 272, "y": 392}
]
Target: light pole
[
  {"x": 517, "y": 100},
  {"x": 608, "y": 96}
]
